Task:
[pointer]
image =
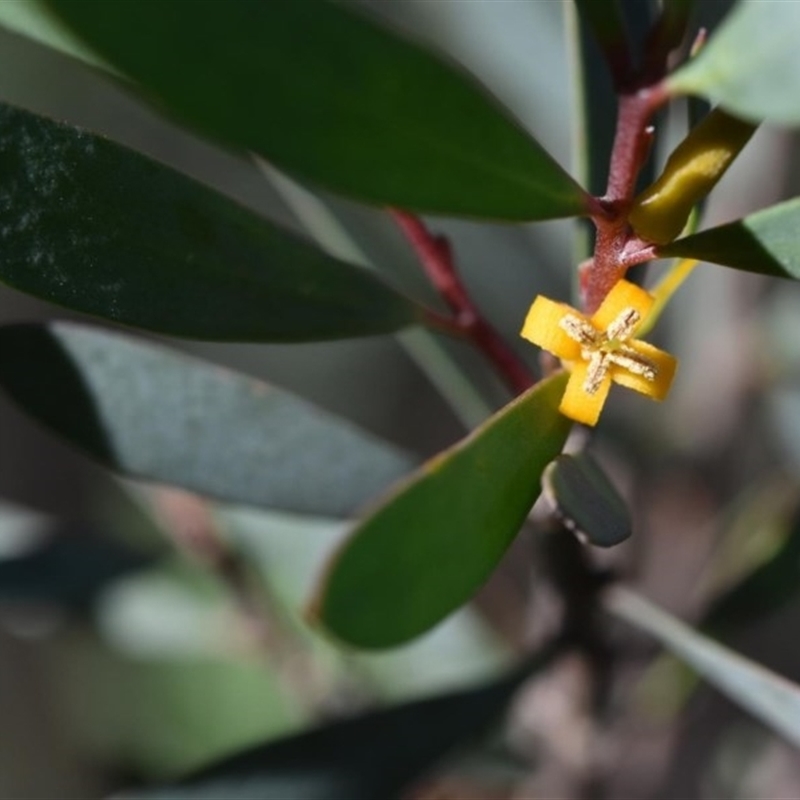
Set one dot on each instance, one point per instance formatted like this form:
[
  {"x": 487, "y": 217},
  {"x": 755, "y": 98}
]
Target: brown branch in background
[
  {"x": 187, "y": 519},
  {"x": 437, "y": 260}
]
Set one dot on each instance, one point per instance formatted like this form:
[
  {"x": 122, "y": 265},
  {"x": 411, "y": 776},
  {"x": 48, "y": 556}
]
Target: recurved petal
[
  {"x": 577, "y": 403},
  {"x": 542, "y": 328},
  {"x": 665, "y": 371},
  {"x": 624, "y": 295}
]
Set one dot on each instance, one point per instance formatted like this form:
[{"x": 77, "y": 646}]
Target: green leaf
[
  {"x": 328, "y": 95},
  {"x": 98, "y": 228},
  {"x": 30, "y": 18},
  {"x": 151, "y": 413},
  {"x": 429, "y": 546},
  {"x": 767, "y": 696},
  {"x": 606, "y": 21},
  {"x": 765, "y": 242},
  {"x": 372, "y": 756},
  {"x": 751, "y": 65},
  {"x": 586, "y": 500}
]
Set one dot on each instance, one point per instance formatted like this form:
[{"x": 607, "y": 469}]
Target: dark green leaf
[
  {"x": 376, "y": 755},
  {"x": 586, "y": 500},
  {"x": 595, "y": 118},
  {"x": 151, "y": 413},
  {"x": 98, "y": 228},
  {"x": 332, "y": 97},
  {"x": 428, "y": 547},
  {"x": 765, "y": 242},
  {"x": 751, "y": 65},
  {"x": 595, "y": 114},
  {"x": 606, "y": 21}
]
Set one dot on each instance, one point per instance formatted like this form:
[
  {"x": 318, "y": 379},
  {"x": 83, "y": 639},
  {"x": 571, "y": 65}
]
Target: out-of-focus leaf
[
  {"x": 149, "y": 412},
  {"x": 586, "y": 500},
  {"x": 759, "y": 546},
  {"x": 771, "y": 586},
  {"x": 98, "y": 228},
  {"x": 429, "y": 546},
  {"x": 765, "y": 242},
  {"x": 32, "y": 19},
  {"x": 606, "y": 21},
  {"x": 163, "y": 714},
  {"x": 327, "y": 94},
  {"x": 376, "y": 755},
  {"x": 70, "y": 568},
  {"x": 674, "y": 21},
  {"x": 751, "y": 65},
  {"x": 594, "y": 120},
  {"x": 767, "y": 696},
  {"x": 22, "y": 529},
  {"x": 593, "y": 117}
]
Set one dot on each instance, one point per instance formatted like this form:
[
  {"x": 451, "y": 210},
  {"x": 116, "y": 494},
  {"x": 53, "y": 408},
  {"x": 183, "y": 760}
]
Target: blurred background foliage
[{"x": 124, "y": 660}]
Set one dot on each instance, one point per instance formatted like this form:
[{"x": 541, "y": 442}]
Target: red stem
[
  {"x": 437, "y": 260},
  {"x": 616, "y": 248}
]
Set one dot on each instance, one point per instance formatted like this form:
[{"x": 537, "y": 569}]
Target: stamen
[
  {"x": 629, "y": 359},
  {"x": 579, "y": 330},
  {"x": 623, "y": 326},
  {"x": 596, "y": 372}
]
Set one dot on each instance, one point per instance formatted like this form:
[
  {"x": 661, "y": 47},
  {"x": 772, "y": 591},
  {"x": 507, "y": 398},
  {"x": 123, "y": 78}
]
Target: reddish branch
[
  {"x": 436, "y": 258},
  {"x": 617, "y": 247}
]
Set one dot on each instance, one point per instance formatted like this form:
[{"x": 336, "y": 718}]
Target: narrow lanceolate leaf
[
  {"x": 151, "y": 413},
  {"x": 767, "y": 696},
  {"x": 751, "y": 65},
  {"x": 428, "y": 547},
  {"x": 375, "y": 755},
  {"x": 98, "y": 228},
  {"x": 765, "y": 242},
  {"x": 328, "y": 95}
]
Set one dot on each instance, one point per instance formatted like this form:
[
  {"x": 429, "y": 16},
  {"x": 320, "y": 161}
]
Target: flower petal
[
  {"x": 624, "y": 295},
  {"x": 577, "y": 403},
  {"x": 665, "y": 365},
  {"x": 542, "y": 328}
]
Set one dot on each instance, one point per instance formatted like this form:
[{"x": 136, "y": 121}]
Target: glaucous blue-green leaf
[
  {"x": 375, "y": 755},
  {"x": 765, "y": 242},
  {"x": 767, "y": 696},
  {"x": 327, "y": 94},
  {"x": 586, "y": 500},
  {"x": 151, "y": 413},
  {"x": 98, "y": 228},
  {"x": 751, "y": 64},
  {"x": 430, "y": 545}
]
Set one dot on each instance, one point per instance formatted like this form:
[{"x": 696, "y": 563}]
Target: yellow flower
[{"x": 601, "y": 349}]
